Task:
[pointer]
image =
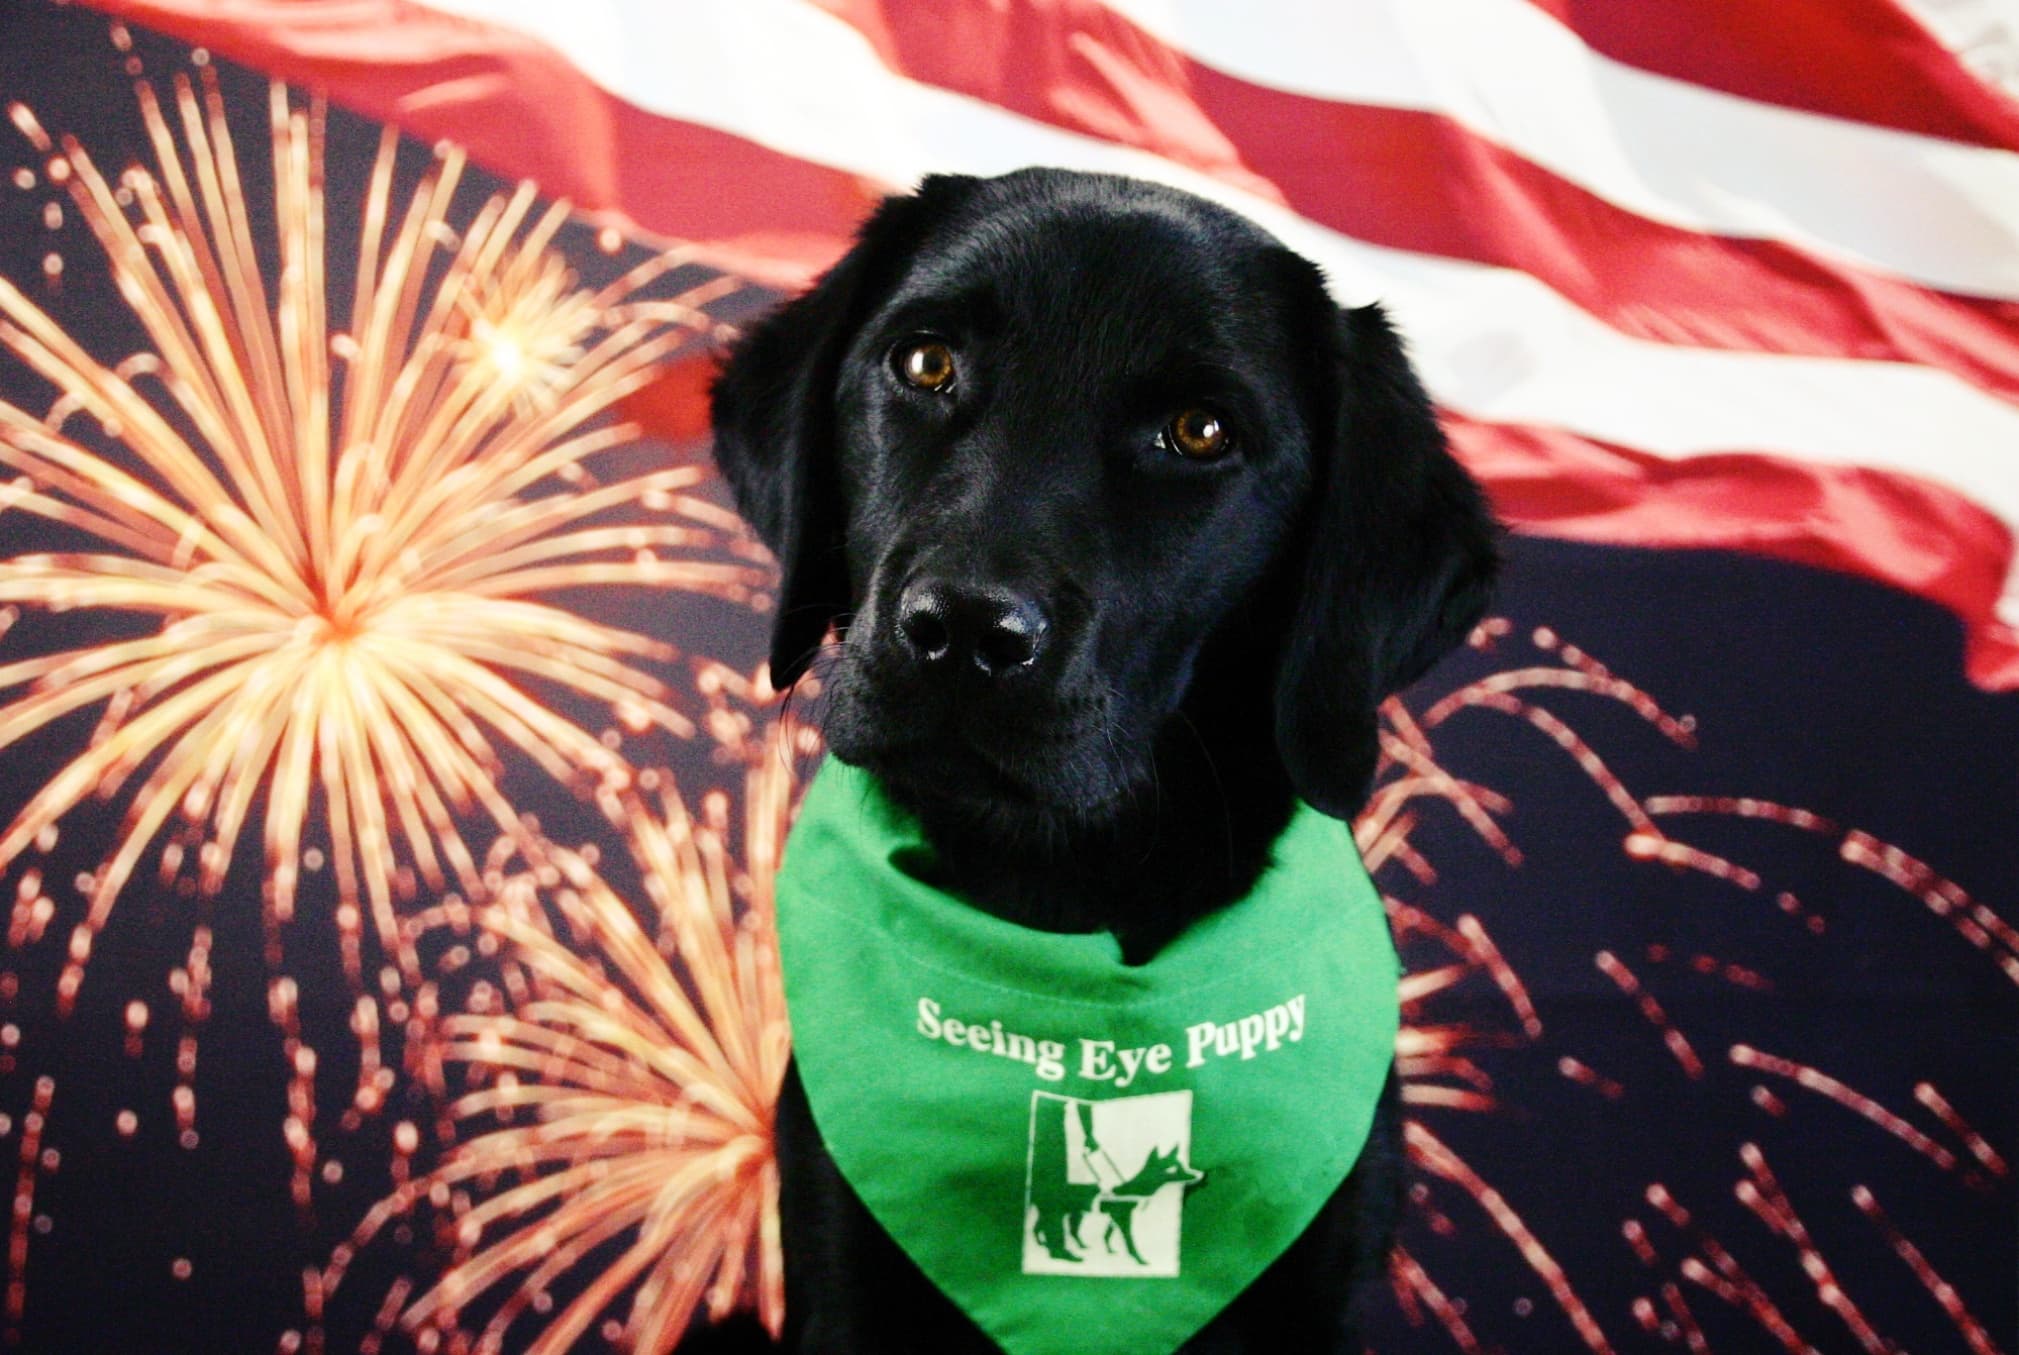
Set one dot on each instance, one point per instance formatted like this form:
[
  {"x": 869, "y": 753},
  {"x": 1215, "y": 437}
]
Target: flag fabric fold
[{"x": 1741, "y": 276}]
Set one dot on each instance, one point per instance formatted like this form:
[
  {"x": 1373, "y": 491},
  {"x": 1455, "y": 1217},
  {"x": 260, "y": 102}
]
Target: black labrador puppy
[{"x": 1126, "y": 528}]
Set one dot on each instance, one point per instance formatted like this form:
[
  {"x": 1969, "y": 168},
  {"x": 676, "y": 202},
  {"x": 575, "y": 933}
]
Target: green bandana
[{"x": 1090, "y": 1158}]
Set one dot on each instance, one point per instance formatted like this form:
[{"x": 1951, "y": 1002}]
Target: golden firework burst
[
  {"x": 615, "y": 1137},
  {"x": 341, "y": 531}
]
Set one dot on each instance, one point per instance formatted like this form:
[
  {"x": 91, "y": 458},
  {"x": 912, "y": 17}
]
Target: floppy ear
[
  {"x": 1399, "y": 565},
  {"x": 774, "y": 425}
]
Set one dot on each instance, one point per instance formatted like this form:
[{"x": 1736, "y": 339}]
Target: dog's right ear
[{"x": 774, "y": 425}]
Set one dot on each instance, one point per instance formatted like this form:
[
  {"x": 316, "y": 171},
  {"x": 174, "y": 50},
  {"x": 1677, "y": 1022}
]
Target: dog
[
  {"x": 1160, "y": 1169},
  {"x": 1125, "y": 529}
]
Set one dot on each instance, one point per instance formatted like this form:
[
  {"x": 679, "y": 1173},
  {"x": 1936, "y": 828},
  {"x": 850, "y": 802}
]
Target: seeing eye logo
[{"x": 1104, "y": 1193}]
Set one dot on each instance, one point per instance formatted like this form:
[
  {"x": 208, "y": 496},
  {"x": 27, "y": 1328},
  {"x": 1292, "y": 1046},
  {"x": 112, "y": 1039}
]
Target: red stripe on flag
[
  {"x": 1421, "y": 182},
  {"x": 1896, "y": 529},
  {"x": 521, "y": 110},
  {"x": 1866, "y": 60}
]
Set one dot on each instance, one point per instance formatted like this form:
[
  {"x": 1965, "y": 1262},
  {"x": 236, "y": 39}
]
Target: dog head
[{"x": 1045, "y": 448}]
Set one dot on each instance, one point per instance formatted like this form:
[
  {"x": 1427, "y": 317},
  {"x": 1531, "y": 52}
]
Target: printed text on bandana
[{"x": 1104, "y": 1061}]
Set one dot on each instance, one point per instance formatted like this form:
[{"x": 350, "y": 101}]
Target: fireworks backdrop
[{"x": 389, "y": 962}]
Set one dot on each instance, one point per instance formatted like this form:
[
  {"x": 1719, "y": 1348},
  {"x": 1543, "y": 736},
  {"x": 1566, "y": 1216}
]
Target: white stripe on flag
[{"x": 1934, "y": 211}]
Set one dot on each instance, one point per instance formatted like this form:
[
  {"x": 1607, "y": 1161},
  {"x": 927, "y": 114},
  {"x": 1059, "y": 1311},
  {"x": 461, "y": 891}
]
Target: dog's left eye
[
  {"x": 924, "y": 363},
  {"x": 1197, "y": 435}
]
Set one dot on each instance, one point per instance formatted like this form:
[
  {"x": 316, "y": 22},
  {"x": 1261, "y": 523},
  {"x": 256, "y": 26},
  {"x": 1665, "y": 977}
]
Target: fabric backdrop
[{"x": 391, "y": 789}]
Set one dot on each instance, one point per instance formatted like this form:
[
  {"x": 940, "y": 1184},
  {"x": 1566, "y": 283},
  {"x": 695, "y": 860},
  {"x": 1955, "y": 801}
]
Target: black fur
[{"x": 1211, "y": 639}]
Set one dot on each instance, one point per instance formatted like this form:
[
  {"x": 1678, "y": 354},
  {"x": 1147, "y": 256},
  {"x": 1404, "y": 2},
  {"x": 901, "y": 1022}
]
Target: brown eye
[
  {"x": 926, "y": 364},
  {"x": 1198, "y": 435}
]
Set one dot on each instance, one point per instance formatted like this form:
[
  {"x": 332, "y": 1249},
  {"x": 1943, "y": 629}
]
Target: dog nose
[{"x": 943, "y": 623}]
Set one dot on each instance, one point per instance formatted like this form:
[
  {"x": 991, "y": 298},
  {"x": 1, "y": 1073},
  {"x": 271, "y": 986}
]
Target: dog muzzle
[{"x": 1088, "y": 1157}]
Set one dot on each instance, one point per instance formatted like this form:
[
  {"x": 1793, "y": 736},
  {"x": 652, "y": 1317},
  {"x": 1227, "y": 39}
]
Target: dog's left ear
[
  {"x": 773, "y": 410},
  {"x": 1399, "y": 563}
]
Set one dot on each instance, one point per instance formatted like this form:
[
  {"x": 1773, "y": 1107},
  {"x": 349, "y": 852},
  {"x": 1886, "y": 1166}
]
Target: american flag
[{"x": 1739, "y": 274}]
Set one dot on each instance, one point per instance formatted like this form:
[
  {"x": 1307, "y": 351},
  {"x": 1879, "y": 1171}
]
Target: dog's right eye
[
  {"x": 924, "y": 363},
  {"x": 1197, "y": 435}
]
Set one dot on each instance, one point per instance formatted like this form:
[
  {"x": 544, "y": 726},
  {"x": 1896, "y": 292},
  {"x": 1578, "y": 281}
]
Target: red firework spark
[{"x": 1412, "y": 780}]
